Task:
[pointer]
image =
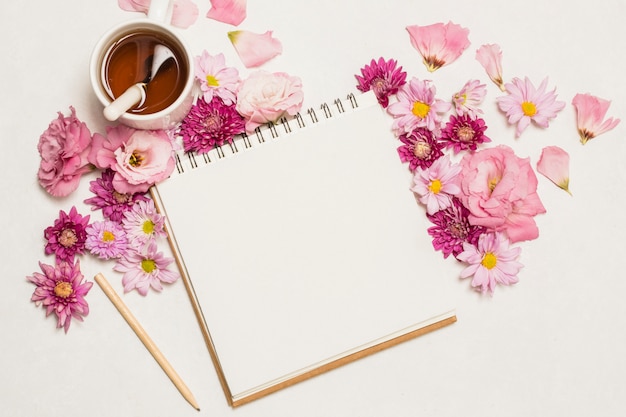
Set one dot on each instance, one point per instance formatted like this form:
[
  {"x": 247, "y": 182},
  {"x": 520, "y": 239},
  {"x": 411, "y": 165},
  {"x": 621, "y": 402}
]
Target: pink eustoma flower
[
  {"x": 255, "y": 49},
  {"x": 490, "y": 57},
  {"x": 554, "y": 165},
  {"x": 590, "y": 113},
  {"x": 439, "y": 44},
  {"x": 184, "y": 13},
  {"x": 228, "y": 11}
]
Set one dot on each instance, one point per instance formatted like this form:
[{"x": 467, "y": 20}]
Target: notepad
[{"x": 302, "y": 247}]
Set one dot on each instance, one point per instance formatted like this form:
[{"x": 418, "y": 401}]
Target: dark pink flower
[
  {"x": 419, "y": 149},
  {"x": 112, "y": 203},
  {"x": 61, "y": 290},
  {"x": 383, "y": 77},
  {"x": 208, "y": 125},
  {"x": 63, "y": 148},
  {"x": 67, "y": 236},
  {"x": 452, "y": 228},
  {"x": 464, "y": 133}
]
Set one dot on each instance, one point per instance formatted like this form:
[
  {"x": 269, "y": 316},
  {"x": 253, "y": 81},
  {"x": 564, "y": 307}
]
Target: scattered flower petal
[
  {"x": 67, "y": 236},
  {"x": 524, "y": 103},
  {"x": 437, "y": 184},
  {"x": 464, "y": 133},
  {"x": 554, "y": 165},
  {"x": 106, "y": 239},
  {"x": 228, "y": 11},
  {"x": 145, "y": 268},
  {"x": 184, "y": 14},
  {"x": 216, "y": 79},
  {"x": 467, "y": 100},
  {"x": 112, "y": 203},
  {"x": 439, "y": 44},
  {"x": 419, "y": 148},
  {"x": 490, "y": 57},
  {"x": 255, "y": 49},
  {"x": 383, "y": 77},
  {"x": 590, "y": 113}
]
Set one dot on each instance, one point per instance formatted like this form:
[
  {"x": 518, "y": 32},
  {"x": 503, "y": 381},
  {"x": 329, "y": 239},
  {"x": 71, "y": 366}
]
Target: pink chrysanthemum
[
  {"x": 383, "y": 77},
  {"x": 464, "y": 133},
  {"x": 216, "y": 79},
  {"x": 112, "y": 203},
  {"x": 420, "y": 148},
  {"x": 61, "y": 290},
  {"x": 524, "y": 103},
  {"x": 67, "y": 236},
  {"x": 106, "y": 239},
  {"x": 467, "y": 100},
  {"x": 436, "y": 184},
  {"x": 210, "y": 124},
  {"x": 492, "y": 261},
  {"x": 452, "y": 228},
  {"x": 143, "y": 224},
  {"x": 145, "y": 268},
  {"x": 417, "y": 107}
]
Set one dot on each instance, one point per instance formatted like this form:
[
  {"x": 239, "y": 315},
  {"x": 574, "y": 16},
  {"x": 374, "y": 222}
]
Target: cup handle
[{"x": 161, "y": 10}]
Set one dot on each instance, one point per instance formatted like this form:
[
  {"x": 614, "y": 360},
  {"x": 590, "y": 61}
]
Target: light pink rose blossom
[
  {"x": 140, "y": 158},
  {"x": 590, "y": 113},
  {"x": 266, "y": 97},
  {"x": 554, "y": 165},
  {"x": 490, "y": 57},
  {"x": 228, "y": 11},
  {"x": 63, "y": 148},
  {"x": 439, "y": 44},
  {"x": 500, "y": 191},
  {"x": 184, "y": 14},
  {"x": 255, "y": 49}
]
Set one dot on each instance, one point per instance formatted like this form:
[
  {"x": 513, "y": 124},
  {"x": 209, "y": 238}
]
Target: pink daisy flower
[
  {"x": 525, "y": 103},
  {"x": 67, "y": 236},
  {"x": 383, "y": 77},
  {"x": 439, "y": 44},
  {"x": 112, "y": 203},
  {"x": 145, "y": 268},
  {"x": 417, "y": 107},
  {"x": 436, "y": 184},
  {"x": 492, "y": 261},
  {"x": 590, "y": 113},
  {"x": 143, "y": 224},
  {"x": 467, "y": 100},
  {"x": 106, "y": 239},
  {"x": 419, "y": 148},
  {"x": 216, "y": 79},
  {"x": 210, "y": 124},
  {"x": 464, "y": 133},
  {"x": 60, "y": 289}
]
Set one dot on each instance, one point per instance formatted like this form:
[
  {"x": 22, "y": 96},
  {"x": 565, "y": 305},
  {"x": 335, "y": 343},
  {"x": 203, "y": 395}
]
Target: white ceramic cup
[{"x": 159, "y": 14}]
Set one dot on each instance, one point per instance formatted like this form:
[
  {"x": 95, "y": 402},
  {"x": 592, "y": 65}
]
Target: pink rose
[
  {"x": 500, "y": 191},
  {"x": 63, "y": 148},
  {"x": 139, "y": 158},
  {"x": 266, "y": 97}
]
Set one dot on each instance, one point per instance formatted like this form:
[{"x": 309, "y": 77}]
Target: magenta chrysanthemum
[
  {"x": 67, "y": 236},
  {"x": 61, "y": 290},
  {"x": 419, "y": 149},
  {"x": 145, "y": 268},
  {"x": 452, "y": 228},
  {"x": 383, "y": 77},
  {"x": 106, "y": 239},
  {"x": 143, "y": 224},
  {"x": 464, "y": 133},
  {"x": 112, "y": 203},
  {"x": 210, "y": 124}
]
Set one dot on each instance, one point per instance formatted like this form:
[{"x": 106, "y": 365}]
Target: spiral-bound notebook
[{"x": 302, "y": 247}]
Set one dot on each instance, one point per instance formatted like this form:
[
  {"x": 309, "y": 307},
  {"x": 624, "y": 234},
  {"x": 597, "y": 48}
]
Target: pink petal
[
  {"x": 228, "y": 11},
  {"x": 590, "y": 113},
  {"x": 554, "y": 165},
  {"x": 184, "y": 14},
  {"x": 255, "y": 49},
  {"x": 439, "y": 44},
  {"x": 490, "y": 57}
]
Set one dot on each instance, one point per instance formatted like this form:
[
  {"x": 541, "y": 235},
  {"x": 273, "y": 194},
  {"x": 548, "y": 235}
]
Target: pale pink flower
[
  {"x": 492, "y": 261},
  {"x": 184, "y": 13},
  {"x": 140, "y": 158},
  {"x": 469, "y": 98},
  {"x": 436, "y": 184},
  {"x": 590, "y": 113},
  {"x": 143, "y": 224},
  {"x": 255, "y": 49},
  {"x": 266, "y": 97},
  {"x": 228, "y": 11},
  {"x": 439, "y": 44},
  {"x": 525, "y": 103},
  {"x": 490, "y": 57},
  {"x": 500, "y": 191},
  {"x": 106, "y": 239},
  {"x": 63, "y": 148},
  {"x": 554, "y": 165},
  {"x": 417, "y": 107},
  {"x": 216, "y": 79},
  {"x": 145, "y": 268}
]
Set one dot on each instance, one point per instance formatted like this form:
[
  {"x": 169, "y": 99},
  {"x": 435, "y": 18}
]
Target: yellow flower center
[
  {"x": 108, "y": 236},
  {"x": 489, "y": 260},
  {"x": 148, "y": 227},
  {"x": 148, "y": 265},
  {"x": 493, "y": 183},
  {"x": 420, "y": 109},
  {"x": 435, "y": 186},
  {"x": 63, "y": 289},
  {"x": 529, "y": 108},
  {"x": 135, "y": 159},
  {"x": 212, "y": 81}
]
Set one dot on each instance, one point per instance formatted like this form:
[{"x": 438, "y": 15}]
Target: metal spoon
[{"x": 136, "y": 93}]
